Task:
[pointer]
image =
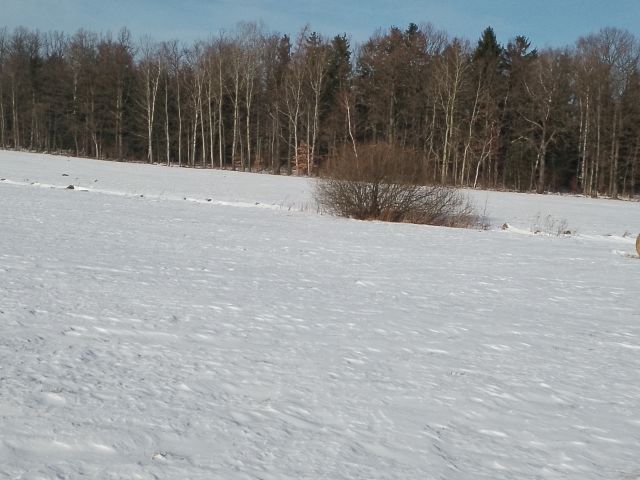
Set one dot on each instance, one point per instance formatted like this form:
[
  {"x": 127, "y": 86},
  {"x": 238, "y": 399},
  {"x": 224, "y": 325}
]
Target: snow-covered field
[{"x": 169, "y": 323}]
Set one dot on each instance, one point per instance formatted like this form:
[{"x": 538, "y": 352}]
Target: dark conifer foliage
[{"x": 477, "y": 114}]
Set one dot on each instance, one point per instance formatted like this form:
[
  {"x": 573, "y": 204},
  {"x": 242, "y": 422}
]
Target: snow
[{"x": 247, "y": 337}]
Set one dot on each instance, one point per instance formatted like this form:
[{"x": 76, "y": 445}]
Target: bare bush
[
  {"x": 549, "y": 225},
  {"x": 383, "y": 182}
]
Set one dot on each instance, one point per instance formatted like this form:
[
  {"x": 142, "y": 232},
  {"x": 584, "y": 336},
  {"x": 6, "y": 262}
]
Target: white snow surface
[{"x": 238, "y": 334}]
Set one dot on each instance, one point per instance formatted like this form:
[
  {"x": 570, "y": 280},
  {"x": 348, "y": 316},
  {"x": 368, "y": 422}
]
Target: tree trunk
[
  {"x": 179, "y": 116},
  {"x": 152, "y": 82},
  {"x": 542, "y": 155},
  {"x": 584, "y": 162},
  {"x": 2, "y": 124},
  {"x": 166, "y": 114},
  {"x": 235, "y": 121},
  {"x": 211, "y": 122},
  {"x": 14, "y": 113},
  {"x": 220, "y": 124},
  {"x": 613, "y": 158},
  {"x": 472, "y": 122}
]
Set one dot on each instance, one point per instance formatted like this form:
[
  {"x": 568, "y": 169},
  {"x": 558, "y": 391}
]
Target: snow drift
[{"x": 168, "y": 323}]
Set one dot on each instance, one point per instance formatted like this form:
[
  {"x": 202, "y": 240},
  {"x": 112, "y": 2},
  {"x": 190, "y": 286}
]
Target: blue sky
[{"x": 545, "y": 22}]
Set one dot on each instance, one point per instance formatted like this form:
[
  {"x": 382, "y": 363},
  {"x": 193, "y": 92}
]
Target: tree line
[{"x": 476, "y": 114}]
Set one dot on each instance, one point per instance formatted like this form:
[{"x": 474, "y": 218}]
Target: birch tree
[{"x": 151, "y": 70}]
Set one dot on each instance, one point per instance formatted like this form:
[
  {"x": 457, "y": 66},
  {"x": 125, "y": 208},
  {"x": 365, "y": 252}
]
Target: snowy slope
[
  {"x": 157, "y": 181},
  {"x": 589, "y": 217},
  {"x": 153, "y": 337}
]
